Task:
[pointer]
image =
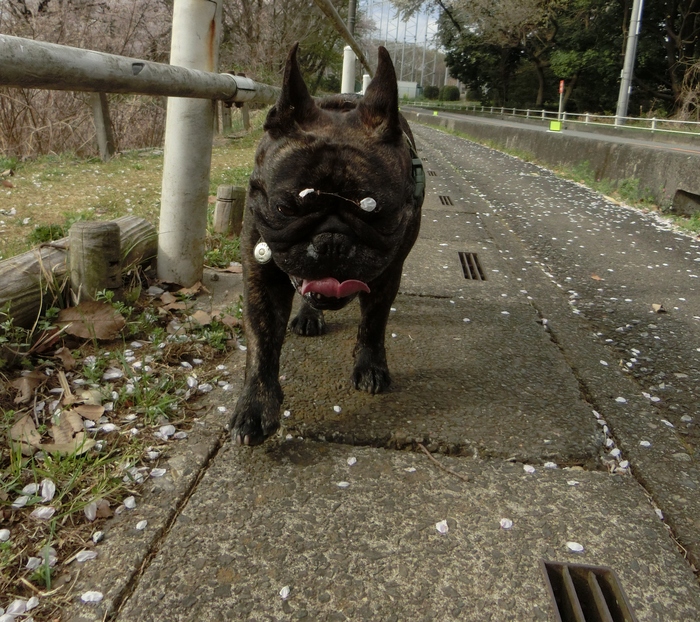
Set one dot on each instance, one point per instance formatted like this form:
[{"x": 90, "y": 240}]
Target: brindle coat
[{"x": 345, "y": 149}]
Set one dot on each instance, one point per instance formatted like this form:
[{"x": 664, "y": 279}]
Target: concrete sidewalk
[{"x": 340, "y": 511}]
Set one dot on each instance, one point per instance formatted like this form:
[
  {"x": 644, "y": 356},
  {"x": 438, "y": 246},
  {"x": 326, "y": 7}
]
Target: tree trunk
[{"x": 540, "y": 87}]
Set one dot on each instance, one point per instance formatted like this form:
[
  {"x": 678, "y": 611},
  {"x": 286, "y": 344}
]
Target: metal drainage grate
[
  {"x": 445, "y": 200},
  {"x": 432, "y": 173},
  {"x": 471, "y": 267},
  {"x": 586, "y": 593}
]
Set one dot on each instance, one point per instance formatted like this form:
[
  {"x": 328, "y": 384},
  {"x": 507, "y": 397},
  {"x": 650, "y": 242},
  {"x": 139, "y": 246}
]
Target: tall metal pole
[
  {"x": 347, "y": 84},
  {"x": 188, "y": 141},
  {"x": 352, "y": 9},
  {"x": 628, "y": 67},
  {"x": 425, "y": 45}
]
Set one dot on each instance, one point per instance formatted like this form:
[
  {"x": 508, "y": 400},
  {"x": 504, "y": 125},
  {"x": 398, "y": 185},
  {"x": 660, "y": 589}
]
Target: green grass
[{"x": 53, "y": 192}]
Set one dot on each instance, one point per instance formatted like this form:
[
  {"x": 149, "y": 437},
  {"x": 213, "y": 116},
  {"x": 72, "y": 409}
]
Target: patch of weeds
[
  {"x": 232, "y": 176},
  {"x": 9, "y": 163},
  {"x": 153, "y": 396},
  {"x": 17, "y": 343},
  {"x": 221, "y": 250},
  {"x": 46, "y": 233},
  {"x": 630, "y": 192},
  {"x": 691, "y": 224},
  {"x": 216, "y": 335}
]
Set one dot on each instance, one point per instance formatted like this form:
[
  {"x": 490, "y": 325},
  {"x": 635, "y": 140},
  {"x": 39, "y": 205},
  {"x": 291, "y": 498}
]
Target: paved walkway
[{"x": 502, "y": 379}]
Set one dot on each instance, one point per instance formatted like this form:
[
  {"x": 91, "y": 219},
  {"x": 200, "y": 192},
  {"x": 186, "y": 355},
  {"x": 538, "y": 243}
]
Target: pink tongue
[{"x": 332, "y": 288}]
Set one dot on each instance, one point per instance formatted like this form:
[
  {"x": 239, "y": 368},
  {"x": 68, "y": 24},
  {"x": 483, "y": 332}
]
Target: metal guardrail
[
  {"x": 36, "y": 64},
  {"x": 668, "y": 126}
]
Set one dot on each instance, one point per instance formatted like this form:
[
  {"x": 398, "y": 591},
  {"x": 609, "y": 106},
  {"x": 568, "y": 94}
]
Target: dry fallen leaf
[
  {"x": 7, "y": 184},
  {"x": 201, "y": 317},
  {"x": 68, "y": 397},
  {"x": 79, "y": 445},
  {"x": 194, "y": 290},
  {"x": 92, "y": 319},
  {"x": 175, "y": 306},
  {"x": 90, "y": 411},
  {"x": 103, "y": 509},
  {"x": 230, "y": 320},
  {"x": 191, "y": 291},
  {"x": 595, "y": 277},
  {"x": 90, "y": 397},
  {"x": 168, "y": 298},
  {"x": 234, "y": 268},
  {"x": 26, "y": 385},
  {"x": 68, "y": 426},
  {"x": 24, "y": 431},
  {"x": 658, "y": 308},
  {"x": 66, "y": 357}
]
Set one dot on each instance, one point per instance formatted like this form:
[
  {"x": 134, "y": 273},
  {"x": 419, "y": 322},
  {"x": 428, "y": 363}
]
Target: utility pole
[
  {"x": 628, "y": 67},
  {"x": 347, "y": 84}
]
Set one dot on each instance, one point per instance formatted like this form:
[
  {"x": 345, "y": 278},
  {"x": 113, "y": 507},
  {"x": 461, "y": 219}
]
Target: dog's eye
[
  {"x": 256, "y": 187},
  {"x": 285, "y": 209}
]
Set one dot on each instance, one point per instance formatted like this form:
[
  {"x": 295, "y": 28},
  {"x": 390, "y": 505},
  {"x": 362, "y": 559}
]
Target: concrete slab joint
[{"x": 535, "y": 442}]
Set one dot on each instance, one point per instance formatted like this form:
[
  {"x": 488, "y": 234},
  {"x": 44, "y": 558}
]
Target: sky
[{"x": 391, "y": 28}]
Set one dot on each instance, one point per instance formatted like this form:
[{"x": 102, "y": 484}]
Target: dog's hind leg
[{"x": 309, "y": 322}]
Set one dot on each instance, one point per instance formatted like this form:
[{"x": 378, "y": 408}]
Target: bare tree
[{"x": 34, "y": 122}]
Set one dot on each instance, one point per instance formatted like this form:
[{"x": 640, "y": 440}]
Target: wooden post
[
  {"x": 103, "y": 125},
  {"x": 228, "y": 213},
  {"x": 217, "y": 116},
  {"x": 246, "y": 117},
  {"x": 94, "y": 258},
  {"x": 225, "y": 119},
  {"x": 35, "y": 279}
]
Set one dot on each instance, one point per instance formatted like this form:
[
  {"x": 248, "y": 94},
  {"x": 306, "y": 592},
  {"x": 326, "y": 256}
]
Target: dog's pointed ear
[
  {"x": 294, "y": 104},
  {"x": 379, "y": 110}
]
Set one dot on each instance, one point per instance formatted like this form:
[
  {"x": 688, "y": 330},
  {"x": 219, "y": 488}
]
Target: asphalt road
[
  {"x": 661, "y": 141},
  {"x": 560, "y": 404}
]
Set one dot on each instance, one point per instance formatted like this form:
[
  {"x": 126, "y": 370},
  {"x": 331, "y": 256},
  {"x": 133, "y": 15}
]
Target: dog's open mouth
[{"x": 329, "y": 293}]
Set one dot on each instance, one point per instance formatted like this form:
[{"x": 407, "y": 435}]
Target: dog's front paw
[
  {"x": 308, "y": 322},
  {"x": 370, "y": 373},
  {"x": 256, "y": 416}
]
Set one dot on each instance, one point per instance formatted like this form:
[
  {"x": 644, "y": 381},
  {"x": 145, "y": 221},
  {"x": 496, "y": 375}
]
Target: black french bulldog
[{"x": 333, "y": 209}]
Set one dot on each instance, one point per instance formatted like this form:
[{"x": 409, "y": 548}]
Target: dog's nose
[
  {"x": 333, "y": 224},
  {"x": 333, "y": 246}
]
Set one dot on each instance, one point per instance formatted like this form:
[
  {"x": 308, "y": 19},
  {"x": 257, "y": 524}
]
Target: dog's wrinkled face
[{"x": 332, "y": 192}]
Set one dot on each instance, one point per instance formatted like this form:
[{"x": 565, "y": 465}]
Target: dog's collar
[{"x": 418, "y": 172}]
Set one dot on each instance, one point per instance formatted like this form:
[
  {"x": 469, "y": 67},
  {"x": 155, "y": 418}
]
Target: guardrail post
[
  {"x": 588, "y": 118},
  {"x": 653, "y": 124},
  {"x": 188, "y": 143},
  {"x": 491, "y": 109},
  {"x": 527, "y": 114},
  {"x": 226, "y": 124},
  {"x": 563, "y": 117},
  {"x": 502, "y": 110},
  {"x": 245, "y": 116},
  {"x": 103, "y": 124},
  {"x": 482, "y": 109},
  {"x": 543, "y": 113}
]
